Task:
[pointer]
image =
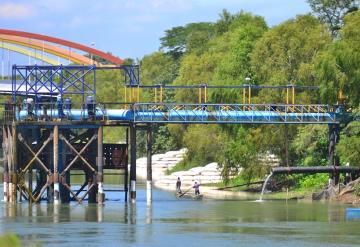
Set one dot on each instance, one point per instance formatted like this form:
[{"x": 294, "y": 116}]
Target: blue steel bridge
[
  {"x": 45, "y": 84},
  {"x": 52, "y": 121}
]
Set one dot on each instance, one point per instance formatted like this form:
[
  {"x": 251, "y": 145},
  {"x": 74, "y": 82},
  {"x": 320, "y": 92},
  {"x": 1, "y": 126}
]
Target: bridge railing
[
  {"x": 7, "y": 112},
  {"x": 232, "y": 113}
]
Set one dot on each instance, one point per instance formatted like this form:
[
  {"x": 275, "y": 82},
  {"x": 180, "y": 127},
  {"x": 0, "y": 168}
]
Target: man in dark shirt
[
  {"x": 196, "y": 187},
  {"x": 178, "y": 185}
]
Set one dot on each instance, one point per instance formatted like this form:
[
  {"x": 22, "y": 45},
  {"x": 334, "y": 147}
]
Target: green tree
[
  {"x": 158, "y": 68},
  {"x": 241, "y": 154},
  {"x": 332, "y": 12},
  {"x": 178, "y": 40},
  {"x": 310, "y": 146},
  {"x": 285, "y": 54},
  {"x": 204, "y": 144},
  {"x": 234, "y": 64},
  {"x": 337, "y": 67},
  {"x": 162, "y": 140},
  {"x": 222, "y": 25},
  {"x": 348, "y": 147}
]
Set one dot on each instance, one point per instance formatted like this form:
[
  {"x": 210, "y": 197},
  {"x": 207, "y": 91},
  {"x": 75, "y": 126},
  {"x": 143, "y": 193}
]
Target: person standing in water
[
  {"x": 178, "y": 185},
  {"x": 196, "y": 187}
]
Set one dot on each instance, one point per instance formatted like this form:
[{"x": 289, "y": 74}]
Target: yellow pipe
[
  {"x": 293, "y": 95},
  {"x": 155, "y": 95},
  {"x": 161, "y": 93},
  {"x": 199, "y": 95},
  {"x": 138, "y": 94},
  {"x": 29, "y": 53},
  {"x": 244, "y": 96},
  {"x": 287, "y": 95},
  {"x": 205, "y": 96},
  {"x": 125, "y": 94},
  {"x": 249, "y": 94}
]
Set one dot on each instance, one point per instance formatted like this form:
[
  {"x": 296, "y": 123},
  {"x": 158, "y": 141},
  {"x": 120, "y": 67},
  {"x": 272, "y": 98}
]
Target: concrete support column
[
  {"x": 56, "y": 165},
  {"x": 13, "y": 174},
  {"x": 149, "y": 165},
  {"x": 100, "y": 165},
  {"x": 6, "y": 182},
  {"x": 6, "y": 169},
  {"x": 133, "y": 163}
]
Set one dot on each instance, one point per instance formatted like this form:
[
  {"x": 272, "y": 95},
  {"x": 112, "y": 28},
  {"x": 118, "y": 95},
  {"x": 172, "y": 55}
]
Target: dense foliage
[{"x": 311, "y": 50}]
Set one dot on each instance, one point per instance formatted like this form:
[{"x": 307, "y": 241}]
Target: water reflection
[
  {"x": 170, "y": 221},
  {"x": 149, "y": 212}
]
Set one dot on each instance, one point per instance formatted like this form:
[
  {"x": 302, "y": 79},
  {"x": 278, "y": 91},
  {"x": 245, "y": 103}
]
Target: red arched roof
[{"x": 71, "y": 44}]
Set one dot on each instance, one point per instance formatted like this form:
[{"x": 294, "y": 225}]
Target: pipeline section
[
  {"x": 315, "y": 169},
  {"x": 177, "y": 115}
]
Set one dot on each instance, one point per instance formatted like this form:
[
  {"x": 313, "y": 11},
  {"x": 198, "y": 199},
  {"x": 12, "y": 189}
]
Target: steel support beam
[{"x": 91, "y": 173}]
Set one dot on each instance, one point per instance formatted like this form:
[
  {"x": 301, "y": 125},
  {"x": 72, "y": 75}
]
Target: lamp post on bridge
[
  {"x": 91, "y": 55},
  {"x": 247, "y": 82}
]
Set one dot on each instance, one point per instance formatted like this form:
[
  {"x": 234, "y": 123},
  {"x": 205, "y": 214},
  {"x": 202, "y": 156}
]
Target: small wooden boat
[{"x": 189, "y": 196}]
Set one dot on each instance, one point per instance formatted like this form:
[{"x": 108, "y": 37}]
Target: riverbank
[{"x": 210, "y": 175}]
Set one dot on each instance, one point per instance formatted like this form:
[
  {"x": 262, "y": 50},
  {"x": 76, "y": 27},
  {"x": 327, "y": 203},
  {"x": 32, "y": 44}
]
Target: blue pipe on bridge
[{"x": 185, "y": 116}]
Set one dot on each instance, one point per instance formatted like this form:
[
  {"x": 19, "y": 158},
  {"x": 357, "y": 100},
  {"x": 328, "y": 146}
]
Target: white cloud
[
  {"x": 16, "y": 11},
  {"x": 156, "y": 6}
]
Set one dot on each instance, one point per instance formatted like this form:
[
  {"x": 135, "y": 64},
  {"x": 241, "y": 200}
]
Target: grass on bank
[
  {"x": 300, "y": 185},
  {"x": 9, "y": 240}
]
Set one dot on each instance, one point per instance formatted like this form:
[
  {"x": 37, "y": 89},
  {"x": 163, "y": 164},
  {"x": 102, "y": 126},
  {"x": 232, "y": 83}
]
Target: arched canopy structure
[
  {"x": 23, "y": 51},
  {"x": 58, "y": 51},
  {"x": 108, "y": 57}
]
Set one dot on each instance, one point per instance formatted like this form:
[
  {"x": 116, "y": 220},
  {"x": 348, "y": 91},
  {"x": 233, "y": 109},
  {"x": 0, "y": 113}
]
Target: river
[{"x": 181, "y": 222}]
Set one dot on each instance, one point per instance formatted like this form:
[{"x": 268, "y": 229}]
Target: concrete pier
[
  {"x": 133, "y": 163},
  {"x": 149, "y": 165}
]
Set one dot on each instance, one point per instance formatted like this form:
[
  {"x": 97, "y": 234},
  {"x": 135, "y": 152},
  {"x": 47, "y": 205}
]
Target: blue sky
[{"x": 130, "y": 28}]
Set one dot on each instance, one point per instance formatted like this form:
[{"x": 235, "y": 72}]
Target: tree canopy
[
  {"x": 303, "y": 50},
  {"x": 332, "y": 12}
]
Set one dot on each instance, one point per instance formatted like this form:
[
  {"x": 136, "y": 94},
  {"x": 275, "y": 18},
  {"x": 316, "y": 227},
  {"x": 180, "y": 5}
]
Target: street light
[{"x": 91, "y": 55}]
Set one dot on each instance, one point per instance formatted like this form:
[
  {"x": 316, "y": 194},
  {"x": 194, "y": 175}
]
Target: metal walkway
[
  {"x": 192, "y": 114},
  {"x": 80, "y": 81}
]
